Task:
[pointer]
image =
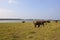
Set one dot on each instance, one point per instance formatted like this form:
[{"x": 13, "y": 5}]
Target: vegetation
[{"x": 27, "y": 31}]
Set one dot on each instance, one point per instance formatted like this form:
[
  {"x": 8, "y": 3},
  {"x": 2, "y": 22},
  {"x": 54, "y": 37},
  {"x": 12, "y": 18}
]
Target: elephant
[
  {"x": 56, "y": 21},
  {"x": 40, "y": 22}
]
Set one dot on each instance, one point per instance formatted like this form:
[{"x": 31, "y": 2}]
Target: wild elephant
[
  {"x": 40, "y": 22},
  {"x": 47, "y": 21},
  {"x": 56, "y": 21}
]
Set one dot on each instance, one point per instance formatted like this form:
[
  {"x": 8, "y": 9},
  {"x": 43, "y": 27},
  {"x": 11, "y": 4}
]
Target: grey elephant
[{"x": 40, "y": 22}]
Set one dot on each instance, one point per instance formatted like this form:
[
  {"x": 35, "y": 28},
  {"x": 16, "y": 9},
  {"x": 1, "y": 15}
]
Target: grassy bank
[{"x": 27, "y": 31}]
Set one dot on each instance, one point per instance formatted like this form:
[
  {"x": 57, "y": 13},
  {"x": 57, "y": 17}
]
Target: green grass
[{"x": 27, "y": 31}]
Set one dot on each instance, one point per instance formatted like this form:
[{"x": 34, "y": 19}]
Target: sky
[{"x": 30, "y": 9}]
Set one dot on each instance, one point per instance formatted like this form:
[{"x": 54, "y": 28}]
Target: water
[{"x": 2, "y": 21}]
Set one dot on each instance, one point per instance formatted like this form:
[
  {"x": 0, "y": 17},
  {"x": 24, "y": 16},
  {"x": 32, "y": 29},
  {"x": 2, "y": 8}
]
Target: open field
[{"x": 27, "y": 31}]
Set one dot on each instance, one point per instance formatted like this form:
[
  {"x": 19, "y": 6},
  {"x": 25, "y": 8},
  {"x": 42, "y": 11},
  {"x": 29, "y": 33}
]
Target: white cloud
[
  {"x": 6, "y": 13},
  {"x": 11, "y": 1},
  {"x": 4, "y": 10}
]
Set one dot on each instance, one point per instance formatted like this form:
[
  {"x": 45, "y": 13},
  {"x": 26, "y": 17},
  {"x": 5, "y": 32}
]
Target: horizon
[
  {"x": 24, "y": 19},
  {"x": 30, "y": 9}
]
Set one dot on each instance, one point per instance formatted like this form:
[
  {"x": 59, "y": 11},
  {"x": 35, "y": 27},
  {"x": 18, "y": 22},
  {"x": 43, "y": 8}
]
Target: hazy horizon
[{"x": 30, "y": 9}]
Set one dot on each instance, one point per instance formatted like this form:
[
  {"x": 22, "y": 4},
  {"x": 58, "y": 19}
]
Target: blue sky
[{"x": 27, "y": 9}]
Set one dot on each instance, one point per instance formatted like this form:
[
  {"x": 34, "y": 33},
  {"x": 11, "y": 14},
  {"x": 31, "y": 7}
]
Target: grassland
[{"x": 27, "y": 31}]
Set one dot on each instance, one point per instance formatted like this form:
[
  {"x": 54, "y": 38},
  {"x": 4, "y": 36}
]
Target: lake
[{"x": 14, "y": 21}]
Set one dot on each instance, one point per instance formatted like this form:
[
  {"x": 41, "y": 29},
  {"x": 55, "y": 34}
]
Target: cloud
[
  {"x": 4, "y": 10},
  {"x": 11, "y": 1},
  {"x": 6, "y": 13}
]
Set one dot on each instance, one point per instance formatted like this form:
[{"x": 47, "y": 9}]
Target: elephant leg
[
  {"x": 38, "y": 25},
  {"x": 43, "y": 24}
]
